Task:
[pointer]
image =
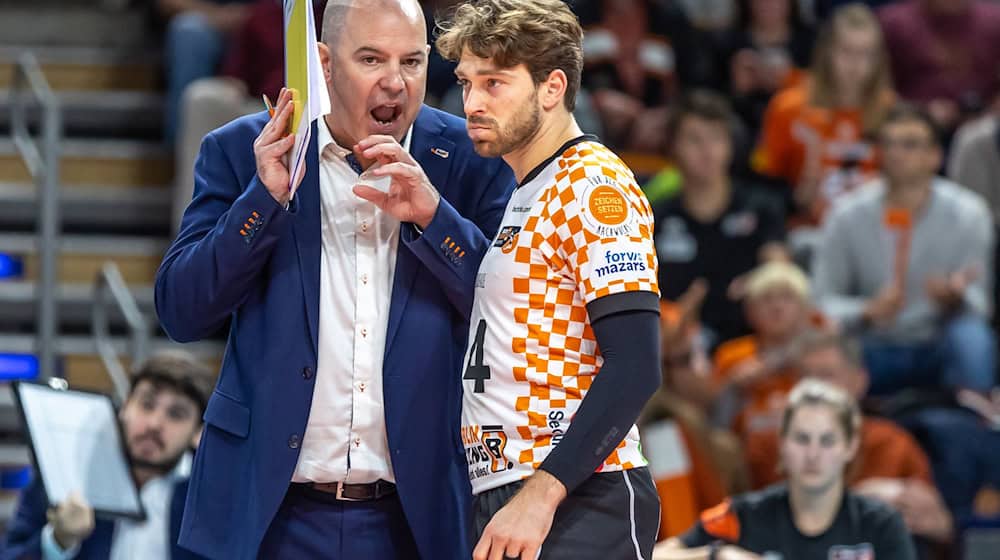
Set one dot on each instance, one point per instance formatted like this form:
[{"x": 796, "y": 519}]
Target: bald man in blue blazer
[{"x": 333, "y": 430}]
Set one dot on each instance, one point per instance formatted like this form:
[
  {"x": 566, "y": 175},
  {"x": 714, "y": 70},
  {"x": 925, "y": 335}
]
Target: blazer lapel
[
  {"x": 308, "y": 239},
  {"x": 433, "y": 152}
]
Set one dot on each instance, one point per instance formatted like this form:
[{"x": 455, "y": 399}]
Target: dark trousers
[
  {"x": 964, "y": 454},
  {"x": 312, "y": 524},
  {"x": 613, "y": 515}
]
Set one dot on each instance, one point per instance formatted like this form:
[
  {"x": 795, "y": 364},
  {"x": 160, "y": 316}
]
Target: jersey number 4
[{"x": 475, "y": 369}]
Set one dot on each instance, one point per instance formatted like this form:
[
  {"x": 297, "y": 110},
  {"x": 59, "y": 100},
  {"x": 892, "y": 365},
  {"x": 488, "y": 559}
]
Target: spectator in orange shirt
[
  {"x": 754, "y": 374},
  {"x": 818, "y": 138},
  {"x": 890, "y": 465},
  {"x": 694, "y": 466}
]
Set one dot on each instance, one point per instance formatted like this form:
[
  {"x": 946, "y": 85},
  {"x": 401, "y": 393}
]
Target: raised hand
[
  {"x": 270, "y": 147},
  {"x": 72, "y": 521},
  {"x": 411, "y": 197}
]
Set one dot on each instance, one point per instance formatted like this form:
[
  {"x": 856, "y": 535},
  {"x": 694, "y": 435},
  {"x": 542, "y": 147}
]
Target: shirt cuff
[{"x": 51, "y": 549}]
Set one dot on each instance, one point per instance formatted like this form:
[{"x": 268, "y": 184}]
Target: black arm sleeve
[{"x": 629, "y": 342}]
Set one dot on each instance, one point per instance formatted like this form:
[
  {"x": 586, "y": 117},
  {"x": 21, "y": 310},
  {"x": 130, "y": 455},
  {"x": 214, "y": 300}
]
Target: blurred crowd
[{"x": 826, "y": 182}]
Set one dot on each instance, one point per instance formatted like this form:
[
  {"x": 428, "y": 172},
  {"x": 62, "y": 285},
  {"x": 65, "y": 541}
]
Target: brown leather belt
[{"x": 352, "y": 492}]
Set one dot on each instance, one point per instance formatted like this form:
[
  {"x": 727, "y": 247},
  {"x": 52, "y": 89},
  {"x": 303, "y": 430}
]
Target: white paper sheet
[{"x": 78, "y": 446}]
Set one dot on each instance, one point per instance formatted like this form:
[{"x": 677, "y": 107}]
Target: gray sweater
[
  {"x": 975, "y": 160},
  {"x": 855, "y": 257}
]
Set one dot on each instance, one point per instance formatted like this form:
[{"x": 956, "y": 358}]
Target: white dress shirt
[
  {"x": 345, "y": 439},
  {"x": 149, "y": 539}
]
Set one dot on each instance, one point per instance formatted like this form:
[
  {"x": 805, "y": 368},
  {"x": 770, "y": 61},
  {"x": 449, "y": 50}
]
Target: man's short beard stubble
[
  {"x": 164, "y": 466},
  {"x": 516, "y": 134}
]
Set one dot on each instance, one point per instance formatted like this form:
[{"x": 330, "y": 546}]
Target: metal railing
[
  {"x": 109, "y": 282},
  {"x": 42, "y": 161}
]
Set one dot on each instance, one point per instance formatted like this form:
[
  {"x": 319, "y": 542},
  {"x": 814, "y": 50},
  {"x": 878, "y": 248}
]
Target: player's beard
[{"x": 523, "y": 126}]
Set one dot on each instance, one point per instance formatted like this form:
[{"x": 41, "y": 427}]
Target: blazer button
[
  {"x": 293, "y": 441},
  {"x": 307, "y": 372}
]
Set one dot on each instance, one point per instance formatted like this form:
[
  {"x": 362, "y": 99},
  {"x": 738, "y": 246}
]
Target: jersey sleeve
[{"x": 601, "y": 233}]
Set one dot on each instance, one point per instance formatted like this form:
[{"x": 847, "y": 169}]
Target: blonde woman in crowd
[{"x": 818, "y": 137}]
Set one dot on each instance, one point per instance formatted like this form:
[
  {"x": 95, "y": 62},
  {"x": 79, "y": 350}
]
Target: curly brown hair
[{"x": 544, "y": 35}]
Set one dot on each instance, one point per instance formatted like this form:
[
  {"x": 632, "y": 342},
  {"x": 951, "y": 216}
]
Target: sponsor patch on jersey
[
  {"x": 621, "y": 260},
  {"x": 484, "y": 450},
  {"x": 606, "y": 209}
]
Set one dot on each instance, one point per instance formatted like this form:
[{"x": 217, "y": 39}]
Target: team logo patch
[
  {"x": 606, "y": 209},
  {"x": 495, "y": 441},
  {"x": 507, "y": 238},
  {"x": 608, "y": 206}
]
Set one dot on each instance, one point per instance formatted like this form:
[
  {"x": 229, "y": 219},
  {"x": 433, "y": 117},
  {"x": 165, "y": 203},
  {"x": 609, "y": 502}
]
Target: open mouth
[{"x": 386, "y": 115}]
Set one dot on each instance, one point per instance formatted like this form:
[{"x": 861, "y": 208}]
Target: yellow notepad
[
  {"x": 304, "y": 77},
  {"x": 297, "y": 59}
]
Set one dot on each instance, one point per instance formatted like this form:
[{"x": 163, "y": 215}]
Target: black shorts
[{"x": 611, "y": 516}]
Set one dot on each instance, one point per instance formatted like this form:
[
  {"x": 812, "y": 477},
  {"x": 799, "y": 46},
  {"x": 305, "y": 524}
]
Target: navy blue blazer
[
  {"x": 240, "y": 257},
  {"x": 24, "y": 535}
]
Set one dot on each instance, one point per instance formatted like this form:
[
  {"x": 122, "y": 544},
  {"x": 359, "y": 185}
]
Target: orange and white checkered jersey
[{"x": 580, "y": 230}]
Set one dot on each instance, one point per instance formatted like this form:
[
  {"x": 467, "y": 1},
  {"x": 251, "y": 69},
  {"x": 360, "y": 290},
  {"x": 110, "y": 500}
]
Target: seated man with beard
[{"x": 161, "y": 421}]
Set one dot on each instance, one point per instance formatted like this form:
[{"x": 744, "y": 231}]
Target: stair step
[
  {"x": 147, "y": 209},
  {"x": 57, "y": 22},
  {"x": 75, "y": 302},
  {"x": 80, "y": 68},
  {"x": 98, "y": 113},
  {"x": 82, "y": 256},
  {"x": 83, "y": 368},
  {"x": 98, "y": 162}
]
